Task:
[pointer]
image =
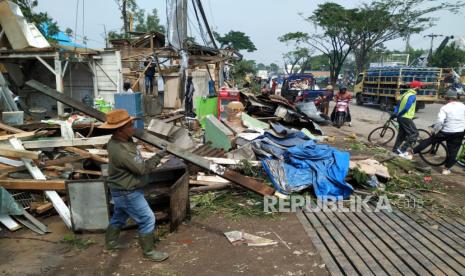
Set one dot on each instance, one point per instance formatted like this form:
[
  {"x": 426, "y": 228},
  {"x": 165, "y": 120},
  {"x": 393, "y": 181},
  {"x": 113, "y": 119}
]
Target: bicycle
[
  {"x": 382, "y": 135},
  {"x": 436, "y": 154}
]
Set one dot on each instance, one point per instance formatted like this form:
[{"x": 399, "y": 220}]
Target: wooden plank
[
  {"x": 434, "y": 252},
  {"x": 355, "y": 254},
  {"x": 391, "y": 243},
  {"x": 55, "y": 143},
  {"x": 251, "y": 184},
  {"x": 444, "y": 233},
  {"x": 227, "y": 161},
  {"x": 453, "y": 258},
  {"x": 402, "y": 239},
  {"x": 10, "y": 128},
  {"x": 34, "y": 155},
  {"x": 28, "y": 184},
  {"x": 58, "y": 203},
  {"x": 63, "y": 160},
  {"x": 388, "y": 259},
  {"x": 29, "y": 225},
  {"x": 333, "y": 268},
  {"x": 85, "y": 153},
  {"x": 372, "y": 256},
  {"x": 36, "y": 222},
  {"x": 9, "y": 222},
  {"x": 334, "y": 249},
  {"x": 28, "y": 134}
]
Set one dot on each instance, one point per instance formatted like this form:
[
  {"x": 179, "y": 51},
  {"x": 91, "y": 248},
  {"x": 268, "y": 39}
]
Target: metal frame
[{"x": 86, "y": 182}]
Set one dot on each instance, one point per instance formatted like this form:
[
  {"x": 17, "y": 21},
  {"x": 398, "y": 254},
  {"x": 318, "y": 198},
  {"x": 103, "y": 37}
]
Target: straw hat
[
  {"x": 116, "y": 119},
  {"x": 329, "y": 87}
]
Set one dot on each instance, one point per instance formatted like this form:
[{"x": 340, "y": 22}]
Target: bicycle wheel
[
  {"x": 381, "y": 135},
  {"x": 461, "y": 156},
  {"x": 423, "y": 135},
  {"x": 436, "y": 155}
]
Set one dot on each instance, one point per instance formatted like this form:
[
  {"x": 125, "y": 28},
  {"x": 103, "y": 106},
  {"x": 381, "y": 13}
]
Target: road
[{"x": 365, "y": 118}]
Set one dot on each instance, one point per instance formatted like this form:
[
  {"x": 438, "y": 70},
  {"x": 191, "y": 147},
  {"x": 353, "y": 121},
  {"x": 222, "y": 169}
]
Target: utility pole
[
  {"x": 433, "y": 36},
  {"x": 106, "y": 36}
]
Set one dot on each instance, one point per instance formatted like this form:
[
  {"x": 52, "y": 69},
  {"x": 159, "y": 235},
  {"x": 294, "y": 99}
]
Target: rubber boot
[
  {"x": 111, "y": 238},
  {"x": 146, "y": 243}
]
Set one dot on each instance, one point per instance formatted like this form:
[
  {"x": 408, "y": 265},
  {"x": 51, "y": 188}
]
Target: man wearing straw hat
[{"x": 127, "y": 174}]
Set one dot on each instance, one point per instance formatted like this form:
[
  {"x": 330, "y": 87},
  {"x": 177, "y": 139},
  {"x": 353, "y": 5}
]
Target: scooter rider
[
  {"x": 343, "y": 95},
  {"x": 450, "y": 127}
]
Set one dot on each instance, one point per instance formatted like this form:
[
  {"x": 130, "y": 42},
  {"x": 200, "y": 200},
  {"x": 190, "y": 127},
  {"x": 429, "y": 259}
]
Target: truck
[
  {"x": 300, "y": 83},
  {"x": 385, "y": 85}
]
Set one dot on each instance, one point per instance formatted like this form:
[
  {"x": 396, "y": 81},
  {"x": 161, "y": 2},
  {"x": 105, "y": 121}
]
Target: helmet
[
  {"x": 416, "y": 84},
  {"x": 451, "y": 94},
  {"x": 342, "y": 88}
]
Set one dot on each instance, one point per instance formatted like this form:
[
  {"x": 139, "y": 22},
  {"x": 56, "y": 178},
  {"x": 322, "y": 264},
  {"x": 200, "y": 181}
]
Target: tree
[
  {"x": 451, "y": 56},
  {"x": 243, "y": 67},
  {"x": 69, "y": 32},
  {"x": 237, "y": 40},
  {"x": 274, "y": 67},
  {"x": 125, "y": 6},
  {"x": 333, "y": 41},
  {"x": 384, "y": 20},
  {"x": 46, "y": 25},
  {"x": 261, "y": 66},
  {"x": 294, "y": 59},
  {"x": 149, "y": 23}
]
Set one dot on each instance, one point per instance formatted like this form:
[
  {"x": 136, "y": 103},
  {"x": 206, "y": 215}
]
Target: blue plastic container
[{"x": 132, "y": 102}]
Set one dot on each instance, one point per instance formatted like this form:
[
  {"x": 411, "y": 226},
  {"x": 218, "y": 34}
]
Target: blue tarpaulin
[{"x": 311, "y": 165}]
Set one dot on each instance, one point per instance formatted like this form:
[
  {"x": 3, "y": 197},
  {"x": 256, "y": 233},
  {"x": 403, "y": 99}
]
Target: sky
[{"x": 262, "y": 20}]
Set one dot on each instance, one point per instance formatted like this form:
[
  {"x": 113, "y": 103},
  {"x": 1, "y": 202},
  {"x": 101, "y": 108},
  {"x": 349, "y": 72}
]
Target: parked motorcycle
[{"x": 340, "y": 113}]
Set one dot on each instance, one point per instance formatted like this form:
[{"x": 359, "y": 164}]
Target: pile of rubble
[{"x": 60, "y": 165}]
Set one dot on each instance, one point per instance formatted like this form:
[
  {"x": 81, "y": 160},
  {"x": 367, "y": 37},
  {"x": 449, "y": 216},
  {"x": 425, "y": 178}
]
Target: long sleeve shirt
[
  {"x": 127, "y": 169},
  {"x": 411, "y": 99},
  {"x": 451, "y": 118}
]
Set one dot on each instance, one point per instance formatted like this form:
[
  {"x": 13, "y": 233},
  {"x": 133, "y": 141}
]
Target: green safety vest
[{"x": 403, "y": 101}]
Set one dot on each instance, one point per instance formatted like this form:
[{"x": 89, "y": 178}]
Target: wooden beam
[
  {"x": 37, "y": 174},
  {"x": 85, "y": 153},
  {"x": 56, "y": 143},
  {"x": 29, "y": 184},
  {"x": 28, "y": 134},
  {"x": 10, "y": 129},
  {"x": 59, "y": 161},
  {"x": 34, "y": 155},
  {"x": 48, "y": 66},
  {"x": 9, "y": 222},
  {"x": 246, "y": 182}
]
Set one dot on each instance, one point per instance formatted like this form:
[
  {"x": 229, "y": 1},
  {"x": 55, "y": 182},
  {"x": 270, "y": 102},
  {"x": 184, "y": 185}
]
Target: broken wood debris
[{"x": 147, "y": 137}]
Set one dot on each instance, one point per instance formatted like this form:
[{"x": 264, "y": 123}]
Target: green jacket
[{"x": 127, "y": 169}]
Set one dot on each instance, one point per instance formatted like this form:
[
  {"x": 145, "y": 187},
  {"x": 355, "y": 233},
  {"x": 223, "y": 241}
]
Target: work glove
[{"x": 393, "y": 115}]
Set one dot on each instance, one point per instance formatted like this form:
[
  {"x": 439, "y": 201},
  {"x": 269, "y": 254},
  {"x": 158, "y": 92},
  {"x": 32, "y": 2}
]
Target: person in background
[
  {"x": 274, "y": 85},
  {"x": 128, "y": 173},
  {"x": 327, "y": 97},
  {"x": 127, "y": 87},
  {"x": 404, "y": 112},
  {"x": 149, "y": 74},
  {"x": 449, "y": 127}
]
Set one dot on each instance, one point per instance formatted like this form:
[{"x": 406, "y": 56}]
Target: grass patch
[
  {"x": 77, "y": 243},
  {"x": 231, "y": 204}
]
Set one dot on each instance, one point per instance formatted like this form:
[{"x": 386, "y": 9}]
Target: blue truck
[{"x": 304, "y": 83}]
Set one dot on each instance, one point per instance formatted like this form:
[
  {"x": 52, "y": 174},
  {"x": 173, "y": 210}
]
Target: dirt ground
[{"x": 198, "y": 247}]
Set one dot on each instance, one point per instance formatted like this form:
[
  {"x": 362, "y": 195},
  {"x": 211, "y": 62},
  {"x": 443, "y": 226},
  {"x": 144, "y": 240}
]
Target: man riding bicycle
[
  {"x": 450, "y": 127},
  {"x": 404, "y": 112}
]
